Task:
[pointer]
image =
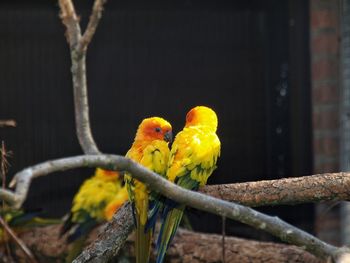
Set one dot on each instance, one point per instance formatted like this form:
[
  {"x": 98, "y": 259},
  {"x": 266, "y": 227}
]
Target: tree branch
[
  {"x": 7, "y": 123},
  {"x": 192, "y": 247},
  {"x": 10, "y": 197},
  {"x": 246, "y": 215},
  {"x": 111, "y": 240},
  {"x": 92, "y": 25},
  {"x": 78, "y": 45},
  {"x": 70, "y": 20},
  {"x": 286, "y": 191},
  {"x": 187, "y": 247}
]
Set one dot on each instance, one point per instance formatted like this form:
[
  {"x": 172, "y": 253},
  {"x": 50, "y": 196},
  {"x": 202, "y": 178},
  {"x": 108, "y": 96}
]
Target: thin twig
[
  {"x": 4, "y": 155},
  {"x": 4, "y": 166},
  {"x": 18, "y": 241},
  {"x": 90, "y": 30},
  {"x": 7, "y": 123}
]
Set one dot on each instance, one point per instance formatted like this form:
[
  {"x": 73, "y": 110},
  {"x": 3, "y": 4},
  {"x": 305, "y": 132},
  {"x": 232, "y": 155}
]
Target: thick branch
[
  {"x": 111, "y": 240},
  {"x": 246, "y": 215},
  {"x": 287, "y": 191},
  {"x": 187, "y": 247},
  {"x": 207, "y": 248},
  {"x": 78, "y": 45}
]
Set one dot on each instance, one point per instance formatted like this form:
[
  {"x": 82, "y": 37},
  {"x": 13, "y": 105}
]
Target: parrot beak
[{"x": 168, "y": 136}]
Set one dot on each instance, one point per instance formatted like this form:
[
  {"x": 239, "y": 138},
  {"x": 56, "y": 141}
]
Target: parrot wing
[
  {"x": 194, "y": 153},
  {"x": 89, "y": 206},
  {"x": 192, "y": 160},
  {"x": 155, "y": 157}
]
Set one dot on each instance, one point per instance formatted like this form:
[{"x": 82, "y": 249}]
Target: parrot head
[
  {"x": 202, "y": 115},
  {"x": 154, "y": 128}
]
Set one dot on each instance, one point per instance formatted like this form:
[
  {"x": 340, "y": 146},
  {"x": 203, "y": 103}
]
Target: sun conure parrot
[
  {"x": 150, "y": 148},
  {"x": 192, "y": 160},
  {"x": 98, "y": 198}
]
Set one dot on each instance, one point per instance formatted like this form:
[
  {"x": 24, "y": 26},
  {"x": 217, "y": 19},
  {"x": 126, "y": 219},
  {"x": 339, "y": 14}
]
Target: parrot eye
[{"x": 158, "y": 129}]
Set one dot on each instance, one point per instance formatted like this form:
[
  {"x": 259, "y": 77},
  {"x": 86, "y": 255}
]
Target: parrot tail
[
  {"x": 171, "y": 221},
  {"x": 143, "y": 243},
  {"x": 154, "y": 208}
]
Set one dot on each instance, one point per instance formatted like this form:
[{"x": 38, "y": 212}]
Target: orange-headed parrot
[
  {"x": 193, "y": 158},
  {"x": 150, "y": 148}
]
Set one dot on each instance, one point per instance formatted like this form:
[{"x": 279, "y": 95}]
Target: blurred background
[{"x": 271, "y": 69}]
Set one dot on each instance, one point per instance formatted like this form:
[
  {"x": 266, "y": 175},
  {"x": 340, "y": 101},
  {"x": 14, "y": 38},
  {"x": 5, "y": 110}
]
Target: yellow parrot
[
  {"x": 98, "y": 198},
  {"x": 193, "y": 158},
  {"x": 150, "y": 148}
]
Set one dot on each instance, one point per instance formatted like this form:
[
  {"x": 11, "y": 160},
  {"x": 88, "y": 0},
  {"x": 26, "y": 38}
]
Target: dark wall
[{"x": 155, "y": 58}]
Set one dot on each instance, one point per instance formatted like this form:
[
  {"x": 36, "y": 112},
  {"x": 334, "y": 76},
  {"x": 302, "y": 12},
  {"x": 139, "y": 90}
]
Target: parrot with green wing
[
  {"x": 192, "y": 160},
  {"x": 150, "y": 149},
  {"x": 98, "y": 198}
]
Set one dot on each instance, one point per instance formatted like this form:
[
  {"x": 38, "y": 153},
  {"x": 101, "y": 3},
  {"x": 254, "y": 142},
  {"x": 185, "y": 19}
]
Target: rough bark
[
  {"x": 192, "y": 247},
  {"x": 109, "y": 243},
  {"x": 188, "y": 247},
  {"x": 287, "y": 191}
]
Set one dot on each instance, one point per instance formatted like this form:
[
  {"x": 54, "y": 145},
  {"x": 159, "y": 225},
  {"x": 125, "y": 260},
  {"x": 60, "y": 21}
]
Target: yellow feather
[
  {"x": 196, "y": 146},
  {"x": 192, "y": 160},
  {"x": 150, "y": 150},
  {"x": 94, "y": 195},
  {"x": 116, "y": 203}
]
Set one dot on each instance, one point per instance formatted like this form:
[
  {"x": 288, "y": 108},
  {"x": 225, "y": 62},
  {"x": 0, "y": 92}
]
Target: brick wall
[{"x": 325, "y": 48}]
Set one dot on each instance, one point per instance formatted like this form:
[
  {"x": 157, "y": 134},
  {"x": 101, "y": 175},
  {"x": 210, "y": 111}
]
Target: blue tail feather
[
  {"x": 154, "y": 208},
  {"x": 171, "y": 219}
]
